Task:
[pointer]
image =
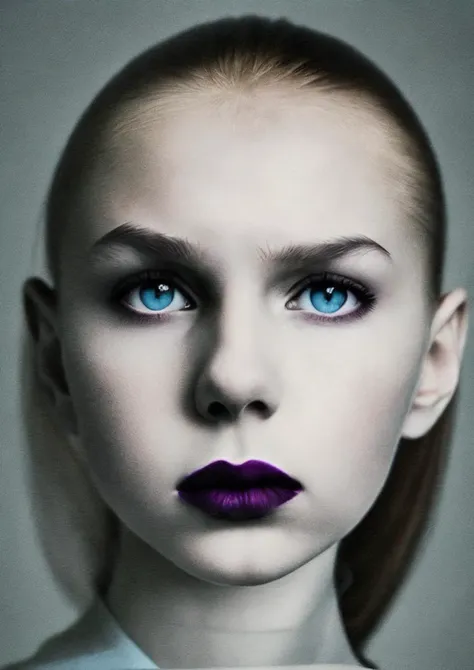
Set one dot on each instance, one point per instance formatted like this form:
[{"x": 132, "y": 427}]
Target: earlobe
[
  {"x": 441, "y": 367},
  {"x": 40, "y": 307}
]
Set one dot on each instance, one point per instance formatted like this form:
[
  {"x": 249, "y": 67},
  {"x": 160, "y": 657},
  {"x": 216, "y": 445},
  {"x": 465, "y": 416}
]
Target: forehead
[{"x": 250, "y": 167}]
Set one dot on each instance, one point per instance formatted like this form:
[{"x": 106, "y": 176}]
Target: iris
[
  {"x": 331, "y": 298},
  {"x": 158, "y": 296}
]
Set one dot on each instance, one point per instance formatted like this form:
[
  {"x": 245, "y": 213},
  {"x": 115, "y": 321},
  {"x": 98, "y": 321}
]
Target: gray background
[{"x": 54, "y": 57}]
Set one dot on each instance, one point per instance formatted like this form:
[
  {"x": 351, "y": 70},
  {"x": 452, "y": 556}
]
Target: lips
[
  {"x": 238, "y": 492},
  {"x": 225, "y": 475}
]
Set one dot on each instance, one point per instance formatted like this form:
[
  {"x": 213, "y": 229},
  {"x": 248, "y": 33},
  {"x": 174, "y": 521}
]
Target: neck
[{"x": 180, "y": 621}]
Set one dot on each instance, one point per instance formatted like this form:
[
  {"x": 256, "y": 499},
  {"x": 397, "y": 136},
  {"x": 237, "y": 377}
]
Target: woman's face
[{"x": 313, "y": 381}]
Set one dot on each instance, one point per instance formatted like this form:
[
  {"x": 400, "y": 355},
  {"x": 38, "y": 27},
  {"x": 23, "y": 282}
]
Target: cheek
[
  {"x": 346, "y": 410},
  {"x": 127, "y": 394}
]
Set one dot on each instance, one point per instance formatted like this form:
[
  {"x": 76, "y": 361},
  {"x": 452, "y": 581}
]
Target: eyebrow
[{"x": 179, "y": 250}]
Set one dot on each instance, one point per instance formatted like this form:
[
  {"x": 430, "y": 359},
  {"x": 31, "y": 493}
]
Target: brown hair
[{"x": 252, "y": 51}]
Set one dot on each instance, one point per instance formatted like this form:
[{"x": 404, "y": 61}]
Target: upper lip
[{"x": 222, "y": 474}]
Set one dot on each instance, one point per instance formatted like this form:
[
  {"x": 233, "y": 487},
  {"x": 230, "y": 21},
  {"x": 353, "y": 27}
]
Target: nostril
[
  {"x": 217, "y": 410},
  {"x": 261, "y": 408}
]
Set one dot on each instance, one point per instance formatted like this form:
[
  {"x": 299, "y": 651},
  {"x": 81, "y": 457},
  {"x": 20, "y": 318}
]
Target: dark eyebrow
[
  {"x": 148, "y": 242},
  {"x": 168, "y": 248},
  {"x": 321, "y": 253}
]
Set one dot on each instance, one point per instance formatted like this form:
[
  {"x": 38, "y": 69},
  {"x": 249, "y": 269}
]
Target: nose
[{"x": 238, "y": 375}]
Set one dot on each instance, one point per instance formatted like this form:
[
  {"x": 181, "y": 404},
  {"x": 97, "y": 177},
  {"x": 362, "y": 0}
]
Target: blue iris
[
  {"x": 327, "y": 300},
  {"x": 158, "y": 297}
]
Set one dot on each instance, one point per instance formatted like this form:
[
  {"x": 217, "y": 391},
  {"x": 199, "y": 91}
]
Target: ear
[
  {"x": 441, "y": 367},
  {"x": 41, "y": 312}
]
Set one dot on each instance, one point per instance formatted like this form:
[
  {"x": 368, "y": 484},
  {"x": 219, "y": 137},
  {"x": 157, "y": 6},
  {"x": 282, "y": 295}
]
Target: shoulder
[
  {"x": 94, "y": 642},
  {"x": 61, "y": 652}
]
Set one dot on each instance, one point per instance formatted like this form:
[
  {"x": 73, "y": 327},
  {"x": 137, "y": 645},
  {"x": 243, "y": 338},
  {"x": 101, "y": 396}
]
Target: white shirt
[{"x": 96, "y": 642}]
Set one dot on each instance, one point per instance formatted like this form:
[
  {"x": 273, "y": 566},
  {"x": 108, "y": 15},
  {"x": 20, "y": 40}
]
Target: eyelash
[{"x": 362, "y": 293}]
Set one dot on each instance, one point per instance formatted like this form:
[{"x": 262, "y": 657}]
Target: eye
[
  {"x": 329, "y": 297},
  {"x": 152, "y": 293}
]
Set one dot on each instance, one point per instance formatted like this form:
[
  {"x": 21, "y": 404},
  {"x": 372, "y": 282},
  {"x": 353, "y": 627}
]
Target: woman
[{"x": 245, "y": 347}]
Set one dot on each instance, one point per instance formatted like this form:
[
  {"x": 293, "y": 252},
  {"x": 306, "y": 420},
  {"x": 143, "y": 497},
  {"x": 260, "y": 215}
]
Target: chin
[
  {"x": 236, "y": 560},
  {"x": 235, "y": 575}
]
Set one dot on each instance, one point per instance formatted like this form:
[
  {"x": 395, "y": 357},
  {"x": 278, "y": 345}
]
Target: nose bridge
[
  {"x": 238, "y": 370},
  {"x": 238, "y": 360}
]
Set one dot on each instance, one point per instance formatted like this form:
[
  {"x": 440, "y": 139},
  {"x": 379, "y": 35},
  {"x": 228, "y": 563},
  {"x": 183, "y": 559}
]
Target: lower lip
[{"x": 238, "y": 505}]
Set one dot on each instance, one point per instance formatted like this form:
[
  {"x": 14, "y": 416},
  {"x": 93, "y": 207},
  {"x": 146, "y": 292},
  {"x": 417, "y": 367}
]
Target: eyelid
[
  {"x": 182, "y": 275},
  {"x": 327, "y": 277},
  {"x": 131, "y": 282}
]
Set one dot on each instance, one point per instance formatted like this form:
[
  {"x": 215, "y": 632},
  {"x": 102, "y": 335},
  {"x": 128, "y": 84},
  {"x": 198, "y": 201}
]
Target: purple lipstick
[{"x": 237, "y": 492}]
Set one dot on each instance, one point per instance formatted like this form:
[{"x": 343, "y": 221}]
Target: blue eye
[
  {"x": 328, "y": 294},
  {"x": 154, "y": 295},
  {"x": 153, "y": 291}
]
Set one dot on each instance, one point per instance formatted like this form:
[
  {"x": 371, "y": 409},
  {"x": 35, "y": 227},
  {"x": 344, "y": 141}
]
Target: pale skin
[{"x": 327, "y": 402}]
